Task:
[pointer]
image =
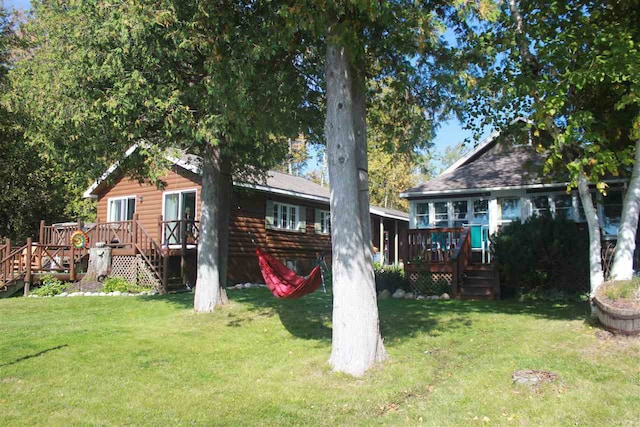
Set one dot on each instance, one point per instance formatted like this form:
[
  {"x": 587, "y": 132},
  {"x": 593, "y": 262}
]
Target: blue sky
[{"x": 450, "y": 133}]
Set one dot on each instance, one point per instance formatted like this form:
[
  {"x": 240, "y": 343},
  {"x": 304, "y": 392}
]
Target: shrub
[
  {"x": 118, "y": 284},
  {"x": 50, "y": 286},
  {"x": 542, "y": 254},
  {"x": 390, "y": 277}
]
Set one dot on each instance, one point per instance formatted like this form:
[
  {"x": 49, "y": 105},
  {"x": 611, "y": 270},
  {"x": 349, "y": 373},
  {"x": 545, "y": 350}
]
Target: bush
[
  {"x": 118, "y": 284},
  {"x": 50, "y": 286},
  {"x": 542, "y": 254},
  {"x": 390, "y": 277}
]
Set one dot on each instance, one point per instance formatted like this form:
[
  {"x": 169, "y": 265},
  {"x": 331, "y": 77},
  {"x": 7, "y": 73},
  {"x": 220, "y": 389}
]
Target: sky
[{"x": 450, "y": 133}]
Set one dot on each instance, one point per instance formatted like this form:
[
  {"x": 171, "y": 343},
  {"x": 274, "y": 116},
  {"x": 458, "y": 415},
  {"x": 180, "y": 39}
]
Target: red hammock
[{"x": 284, "y": 283}]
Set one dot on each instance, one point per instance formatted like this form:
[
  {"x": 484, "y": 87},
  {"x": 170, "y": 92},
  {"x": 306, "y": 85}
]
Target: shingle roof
[{"x": 518, "y": 167}]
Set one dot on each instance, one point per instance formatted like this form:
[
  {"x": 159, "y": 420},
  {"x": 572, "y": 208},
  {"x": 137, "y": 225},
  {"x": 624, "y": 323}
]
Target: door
[{"x": 178, "y": 205}]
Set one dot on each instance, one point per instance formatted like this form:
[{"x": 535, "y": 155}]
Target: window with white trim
[
  {"x": 481, "y": 211},
  {"x": 563, "y": 206},
  {"x": 121, "y": 208},
  {"x": 508, "y": 210},
  {"x": 612, "y": 212},
  {"x": 460, "y": 213},
  {"x": 422, "y": 215},
  {"x": 441, "y": 214},
  {"x": 540, "y": 205},
  {"x": 286, "y": 217},
  {"x": 325, "y": 222}
]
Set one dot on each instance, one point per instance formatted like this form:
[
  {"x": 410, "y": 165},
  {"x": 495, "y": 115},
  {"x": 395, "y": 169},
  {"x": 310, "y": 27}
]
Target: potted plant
[{"x": 618, "y": 305}]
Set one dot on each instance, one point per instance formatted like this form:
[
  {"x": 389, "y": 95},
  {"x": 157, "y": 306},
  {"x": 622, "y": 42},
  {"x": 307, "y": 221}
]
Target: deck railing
[
  {"x": 151, "y": 252},
  {"x": 56, "y": 234},
  {"x": 434, "y": 245},
  {"x": 460, "y": 260},
  {"x": 180, "y": 232}
]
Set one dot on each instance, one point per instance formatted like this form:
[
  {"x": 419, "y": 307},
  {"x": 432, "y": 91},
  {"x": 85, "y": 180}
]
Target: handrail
[
  {"x": 149, "y": 250},
  {"x": 113, "y": 233},
  {"x": 13, "y": 266},
  {"x": 460, "y": 260}
]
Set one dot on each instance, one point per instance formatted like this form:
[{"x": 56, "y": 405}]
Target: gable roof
[
  {"x": 484, "y": 169},
  {"x": 275, "y": 183}
]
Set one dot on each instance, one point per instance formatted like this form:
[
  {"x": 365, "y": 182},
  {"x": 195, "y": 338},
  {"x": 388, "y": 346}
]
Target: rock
[
  {"x": 421, "y": 297},
  {"x": 433, "y": 297},
  {"x": 409, "y": 295},
  {"x": 124, "y": 294},
  {"x": 247, "y": 285},
  {"x": 115, "y": 293},
  {"x": 153, "y": 292},
  {"x": 399, "y": 293},
  {"x": 64, "y": 294},
  {"x": 445, "y": 296},
  {"x": 102, "y": 294},
  {"x": 385, "y": 294}
]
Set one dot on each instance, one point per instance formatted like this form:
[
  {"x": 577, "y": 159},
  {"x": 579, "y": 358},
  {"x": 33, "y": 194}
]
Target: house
[
  {"x": 493, "y": 185},
  {"x": 152, "y": 232}
]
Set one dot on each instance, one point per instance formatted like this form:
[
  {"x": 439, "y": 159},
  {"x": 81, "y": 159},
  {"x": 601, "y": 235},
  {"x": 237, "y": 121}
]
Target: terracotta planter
[{"x": 618, "y": 320}]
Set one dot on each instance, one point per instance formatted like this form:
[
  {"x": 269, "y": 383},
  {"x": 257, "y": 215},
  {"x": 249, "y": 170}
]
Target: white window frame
[
  {"x": 179, "y": 192},
  {"x": 428, "y": 214},
  {"x": 325, "y": 222},
  {"x": 123, "y": 207},
  {"x": 277, "y": 219}
]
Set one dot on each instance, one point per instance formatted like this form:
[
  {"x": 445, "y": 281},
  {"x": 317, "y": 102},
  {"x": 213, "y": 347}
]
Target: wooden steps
[{"x": 479, "y": 282}]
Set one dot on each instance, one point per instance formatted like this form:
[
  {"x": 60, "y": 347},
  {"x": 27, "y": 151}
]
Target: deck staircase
[
  {"x": 53, "y": 253},
  {"x": 479, "y": 282}
]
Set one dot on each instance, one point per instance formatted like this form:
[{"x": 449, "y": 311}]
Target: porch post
[
  {"x": 395, "y": 244},
  {"x": 382, "y": 260},
  {"x": 27, "y": 276},
  {"x": 160, "y": 230},
  {"x": 41, "y": 238},
  {"x": 72, "y": 266}
]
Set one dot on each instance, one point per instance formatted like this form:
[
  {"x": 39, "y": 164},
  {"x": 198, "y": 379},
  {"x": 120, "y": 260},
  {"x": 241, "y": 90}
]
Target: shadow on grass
[
  {"x": 31, "y": 356},
  {"x": 310, "y": 316}
]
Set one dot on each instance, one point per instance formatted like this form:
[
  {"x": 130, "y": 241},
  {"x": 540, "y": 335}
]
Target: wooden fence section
[
  {"x": 460, "y": 260},
  {"x": 179, "y": 232}
]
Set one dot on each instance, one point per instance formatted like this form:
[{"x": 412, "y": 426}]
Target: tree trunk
[
  {"x": 208, "y": 283},
  {"x": 623, "y": 258},
  {"x": 596, "y": 277},
  {"x": 225, "y": 197},
  {"x": 356, "y": 338},
  {"x": 359, "y": 114}
]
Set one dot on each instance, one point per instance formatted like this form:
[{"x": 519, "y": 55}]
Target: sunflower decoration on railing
[{"x": 79, "y": 239}]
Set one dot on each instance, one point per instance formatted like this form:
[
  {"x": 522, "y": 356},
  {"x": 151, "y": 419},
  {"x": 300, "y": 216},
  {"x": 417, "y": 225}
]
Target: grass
[
  {"x": 262, "y": 361},
  {"x": 622, "y": 289}
]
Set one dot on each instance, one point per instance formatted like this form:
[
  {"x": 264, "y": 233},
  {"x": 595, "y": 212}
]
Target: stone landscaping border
[{"x": 100, "y": 294}]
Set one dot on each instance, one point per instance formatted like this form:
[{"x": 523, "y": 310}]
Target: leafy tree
[
  {"x": 214, "y": 78},
  {"x": 573, "y": 67},
  {"x": 451, "y": 154}
]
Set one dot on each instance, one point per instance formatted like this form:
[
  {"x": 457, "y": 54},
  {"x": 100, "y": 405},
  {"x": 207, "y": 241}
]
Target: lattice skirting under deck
[
  {"x": 133, "y": 269},
  {"x": 427, "y": 283}
]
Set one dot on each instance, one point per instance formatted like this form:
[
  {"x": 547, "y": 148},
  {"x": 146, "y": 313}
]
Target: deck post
[
  {"x": 6, "y": 264},
  {"x": 72, "y": 266},
  {"x": 41, "y": 236},
  {"x": 165, "y": 273},
  {"x": 183, "y": 249},
  {"x": 27, "y": 276},
  {"x": 135, "y": 230},
  {"x": 160, "y": 230}
]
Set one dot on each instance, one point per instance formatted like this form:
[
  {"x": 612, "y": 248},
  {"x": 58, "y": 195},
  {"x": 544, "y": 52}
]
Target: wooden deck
[{"x": 444, "y": 255}]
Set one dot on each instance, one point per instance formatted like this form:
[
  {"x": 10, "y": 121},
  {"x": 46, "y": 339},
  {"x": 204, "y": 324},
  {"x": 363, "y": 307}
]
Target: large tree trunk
[
  {"x": 225, "y": 196},
  {"x": 356, "y": 337},
  {"x": 208, "y": 282},
  {"x": 596, "y": 277},
  {"x": 359, "y": 115},
  {"x": 623, "y": 258}
]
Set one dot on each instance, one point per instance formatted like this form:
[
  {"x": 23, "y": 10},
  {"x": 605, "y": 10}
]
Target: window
[
  {"x": 612, "y": 212},
  {"x": 422, "y": 215},
  {"x": 563, "y": 204},
  {"x": 540, "y": 205},
  {"x": 481, "y": 212},
  {"x": 509, "y": 210},
  {"x": 442, "y": 214},
  {"x": 121, "y": 208},
  {"x": 324, "y": 222},
  {"x": 460, "y": 213},
  {"x": 286, "y": 217}
]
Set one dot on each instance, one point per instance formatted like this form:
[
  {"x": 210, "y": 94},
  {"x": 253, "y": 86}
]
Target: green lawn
[{"x": 262, "y": 361}]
